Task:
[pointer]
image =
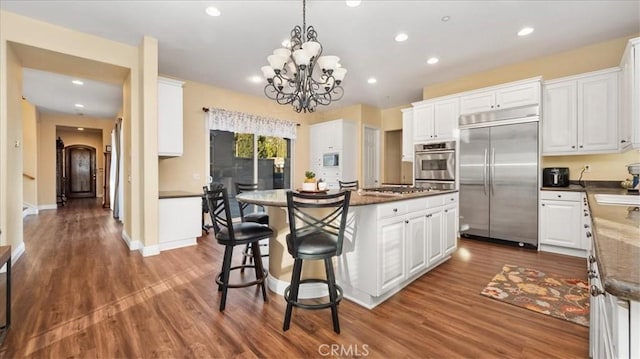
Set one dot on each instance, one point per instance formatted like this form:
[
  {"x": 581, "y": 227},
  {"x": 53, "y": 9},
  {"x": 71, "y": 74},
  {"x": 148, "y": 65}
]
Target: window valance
[{"x": 240, "y": 122}]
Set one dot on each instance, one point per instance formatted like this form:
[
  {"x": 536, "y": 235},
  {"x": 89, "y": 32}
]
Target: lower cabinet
[
  {"x": 561, "y": 223},
  {"x": 394, "y": 243}
]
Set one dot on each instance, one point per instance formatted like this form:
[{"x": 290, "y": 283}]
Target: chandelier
[{"x": 299, "y": 75}]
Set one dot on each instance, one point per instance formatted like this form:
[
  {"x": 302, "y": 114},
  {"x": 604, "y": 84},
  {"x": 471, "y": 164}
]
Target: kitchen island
[{"x": 390, "y": 241}]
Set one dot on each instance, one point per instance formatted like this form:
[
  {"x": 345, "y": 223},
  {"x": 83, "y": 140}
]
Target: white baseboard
[
  {"x": 47, "y": 206},
  {"x": 133, "y": 245},
  {"x": 150, "y": 250},
  {"x": 307, "y": 291},
  {"x": 178, "y": 244},
  {"x": 16, "y": 253},
  {"x": 30, "y": 210},
  {"x": 582, "y": 253}
]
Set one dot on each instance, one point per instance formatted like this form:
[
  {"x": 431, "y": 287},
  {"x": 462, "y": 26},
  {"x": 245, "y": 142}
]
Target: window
[{"x": 246, "y": 158}]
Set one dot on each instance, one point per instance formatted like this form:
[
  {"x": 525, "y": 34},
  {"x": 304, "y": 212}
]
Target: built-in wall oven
[{"x": 435, "y": 165}]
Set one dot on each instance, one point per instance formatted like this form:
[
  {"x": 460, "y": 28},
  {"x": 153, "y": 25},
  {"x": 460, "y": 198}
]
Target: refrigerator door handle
[
  {"x": 484, "y": 171},
  {"x": 493, "y": 170}
]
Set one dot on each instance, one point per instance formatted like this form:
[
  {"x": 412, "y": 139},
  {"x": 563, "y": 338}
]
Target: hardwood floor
[{"x": 79, "y": 292}]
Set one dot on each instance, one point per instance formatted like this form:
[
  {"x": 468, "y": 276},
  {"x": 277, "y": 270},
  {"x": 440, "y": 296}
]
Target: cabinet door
[
  {"x": 423, "y": 119},
  {"x": 407, "y": 135},
  {"x": 598, "y": 113},
  {"x": 450, "y": 229},
  {"x": 169, "y": 117},
  {"x": 626, "y": 98},
  {"x": 446, "y": 115},
  {"x": 479, "y": 102},
  {"x": 391, "y": 254},
  {"x": 435, "y": 240},
  {"x": 518, "y": 95},
  {"x": 560, "y": 223},
  {"x": 416, "y": 243},
  {"x": 559, "y": 118}
]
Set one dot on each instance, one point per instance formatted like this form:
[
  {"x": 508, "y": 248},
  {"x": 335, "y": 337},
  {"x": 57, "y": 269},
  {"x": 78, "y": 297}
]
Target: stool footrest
[
  {"x": 243, "y": 284},
  {"x": 315, "y": 305}
]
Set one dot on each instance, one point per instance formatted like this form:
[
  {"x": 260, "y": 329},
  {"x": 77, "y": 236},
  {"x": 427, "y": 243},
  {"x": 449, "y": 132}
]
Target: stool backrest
[
  {"x": 218, "y": 203},
  {"x": 350, "y": 185},
  {"x": 245, "y": 187},
  {"x": 302, "y": 218}
]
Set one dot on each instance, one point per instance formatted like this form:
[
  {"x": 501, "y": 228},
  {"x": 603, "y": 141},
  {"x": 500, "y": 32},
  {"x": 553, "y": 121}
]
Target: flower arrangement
[{"x": 309, "y": 184}]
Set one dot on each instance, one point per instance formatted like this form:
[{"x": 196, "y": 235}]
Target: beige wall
[
  {"x": 392, "y": 156},
  {"x": 190, "y": 171},
  {"x": 48, "y": 132},
  {"x": 10, "y": 148},
  {"x": 29, "y": 154}
]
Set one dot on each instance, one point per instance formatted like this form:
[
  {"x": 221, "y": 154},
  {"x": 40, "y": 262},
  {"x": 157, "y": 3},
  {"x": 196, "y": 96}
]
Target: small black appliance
[{"x": 555, "y": 177}]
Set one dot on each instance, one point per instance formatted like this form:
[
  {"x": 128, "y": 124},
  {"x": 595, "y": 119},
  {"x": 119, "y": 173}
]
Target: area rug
[{"x": 545, "y": 293}]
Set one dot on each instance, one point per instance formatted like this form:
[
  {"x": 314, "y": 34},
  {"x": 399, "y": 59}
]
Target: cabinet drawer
[
  {"x": 561, "y": 195},
  {"x": 392, "y": 209}
]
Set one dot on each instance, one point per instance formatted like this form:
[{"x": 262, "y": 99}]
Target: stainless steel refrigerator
[{"x": 499, "y": 163}]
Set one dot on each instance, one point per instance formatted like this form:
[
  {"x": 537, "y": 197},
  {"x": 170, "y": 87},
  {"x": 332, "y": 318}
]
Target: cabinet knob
[
  {"x": 559, "y": 196},
  {"x": 589, "y": 234},
  {"x": 595, "y": 291},
  {"x": 623, "y": 141},
  {"x": 581, "y": 146},
  {"x": 395, "y": 210},
  {"x": 497, "y": 105},
  {"x": 491, "y": 106},
  {"x": 406, "y": 221},
  {"x": 586, "y": 214},
  {"x": 453, "y": 199},
  {"x": 446, "y": 211},
  {"x": 543, "y": 205},
  {"x": 573, "y": 146},
  {"x": 592, "y": 275},
  {"x": 586, "y": 226},
  {"x": 592, "y": 258}
]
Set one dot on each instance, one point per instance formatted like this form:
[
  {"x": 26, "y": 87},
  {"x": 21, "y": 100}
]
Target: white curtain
[{"x": 240, "y": 122}]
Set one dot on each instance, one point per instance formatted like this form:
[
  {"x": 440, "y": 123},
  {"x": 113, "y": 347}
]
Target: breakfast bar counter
[{"x": 391, "y": 239}]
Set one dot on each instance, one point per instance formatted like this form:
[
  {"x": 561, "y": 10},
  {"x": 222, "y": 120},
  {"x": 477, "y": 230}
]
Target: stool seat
[
  {"x": 257, "y": 217},
  {"x": 313, "y": 245},
  {"x": 244, "y": 233}
]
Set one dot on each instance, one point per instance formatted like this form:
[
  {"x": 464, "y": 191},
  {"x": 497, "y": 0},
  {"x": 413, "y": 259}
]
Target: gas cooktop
[{"x": 394, "y": 190}]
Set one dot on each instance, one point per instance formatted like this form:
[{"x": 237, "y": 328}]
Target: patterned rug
[{"x": 541, "y": 292}]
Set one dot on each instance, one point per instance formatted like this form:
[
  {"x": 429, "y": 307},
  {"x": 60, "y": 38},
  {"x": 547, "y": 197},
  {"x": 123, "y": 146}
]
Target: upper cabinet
[
  {"x": 169, "y": 117},
  {"x": 407, "y": 134},
  {"x": 435, "y": 119},
  {"x": 580, "y": 114},
  {"x": 526, "y": 92},
  {"x": 630, "y": 95}
]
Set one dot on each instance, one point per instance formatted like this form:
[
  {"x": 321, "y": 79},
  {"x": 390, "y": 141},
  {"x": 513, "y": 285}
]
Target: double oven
[{"x": 435, "y": 165}]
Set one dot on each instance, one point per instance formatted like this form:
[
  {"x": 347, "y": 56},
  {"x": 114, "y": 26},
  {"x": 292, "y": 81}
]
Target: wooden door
[{"x": 81, "y": 171}]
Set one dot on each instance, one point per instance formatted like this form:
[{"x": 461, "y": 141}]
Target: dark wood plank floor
[{"x": 79, "y": 292}]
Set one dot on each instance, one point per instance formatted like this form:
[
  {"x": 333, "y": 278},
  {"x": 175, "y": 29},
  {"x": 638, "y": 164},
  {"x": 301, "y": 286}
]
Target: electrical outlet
[{"x": 587, "y": 168}]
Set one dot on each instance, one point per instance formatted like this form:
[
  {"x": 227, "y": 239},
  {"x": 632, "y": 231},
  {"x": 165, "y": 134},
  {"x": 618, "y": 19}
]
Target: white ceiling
[{"x": 226, "y": 51}]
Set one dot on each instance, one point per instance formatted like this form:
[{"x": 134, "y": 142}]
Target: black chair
[
  {"x": 349, "y": 185},
  {"x": 231, "y": 234},
  {"x": 257, "y": 217},
  {"x": 205, "y": 209},
  {"x": 317, "y": 225}
]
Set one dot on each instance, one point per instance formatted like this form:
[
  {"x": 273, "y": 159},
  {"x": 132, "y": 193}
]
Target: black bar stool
[
  {"x": 315, "y": 234},
  {"x": 349, "y": 185},
  {"x": 258, "y": 217},
  {"x": 230, "y": 234}
]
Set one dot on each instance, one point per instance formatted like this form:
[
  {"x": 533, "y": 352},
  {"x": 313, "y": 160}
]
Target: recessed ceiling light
[
  {"x": 80, "y": 128},
  {"x": 372, "y": 80},
  {"x": 445, "y": 18},
  {"x": 525, "y": 31},
  {"x": 353, "y": 3},
  {"x": 79, "y": 105},
  {"x": 433, "y": 60},
  {"x": 212, "y": 11},
  {"x": 402, "y": 37},
  {"x": 255, "y": 79},
  {"x": 77, "y": 82}
]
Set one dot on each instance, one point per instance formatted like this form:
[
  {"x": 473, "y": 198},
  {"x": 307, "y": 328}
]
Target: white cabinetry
[
  {"x": 630, "y": 95},
  {"x": 179, "y": 221},
  {"x": 435, "y": 119},
  {"x": 407, "y": 134},
  {"x": 396, "y": 242},
  {"x": 526, "y": 92},
  {"x": 580, "y": 114},
  {"x": 334, "y": 137},
  {"x": 562, "y": 224},
  {"x": 169, "y": 117}
]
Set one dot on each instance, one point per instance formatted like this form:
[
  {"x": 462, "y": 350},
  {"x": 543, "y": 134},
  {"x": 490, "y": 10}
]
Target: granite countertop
[
  {"x": 177, "y": 194},
  {"x": 616, "y": 232},
  {"x": 278, "y": 197}
]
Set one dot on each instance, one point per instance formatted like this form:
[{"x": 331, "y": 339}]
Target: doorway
[
  {"x": 80, "y": 171},
  {"x": 371, "y": 157}
]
